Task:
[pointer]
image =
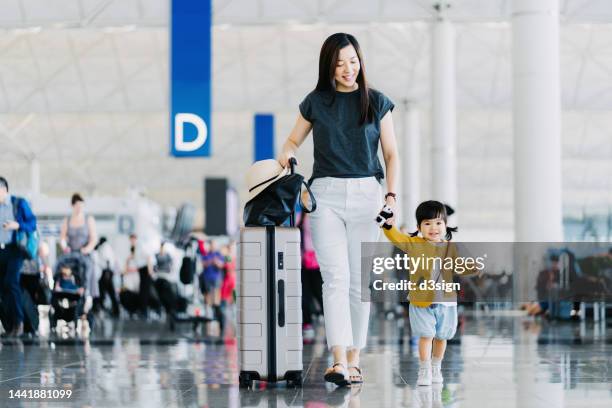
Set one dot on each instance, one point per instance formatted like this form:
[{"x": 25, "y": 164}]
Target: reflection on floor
[{"x": 501, "y": 361}]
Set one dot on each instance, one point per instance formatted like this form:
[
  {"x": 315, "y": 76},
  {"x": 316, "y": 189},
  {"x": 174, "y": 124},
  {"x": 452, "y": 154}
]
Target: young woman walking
[{"x": 348, "y": 120}]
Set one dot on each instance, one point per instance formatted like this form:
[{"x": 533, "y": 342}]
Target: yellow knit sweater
[{"x": 417, "y": 247}]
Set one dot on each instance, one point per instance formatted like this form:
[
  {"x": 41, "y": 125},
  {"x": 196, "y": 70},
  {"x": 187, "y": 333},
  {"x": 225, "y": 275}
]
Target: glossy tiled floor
[{"x": 495, "y": 361}]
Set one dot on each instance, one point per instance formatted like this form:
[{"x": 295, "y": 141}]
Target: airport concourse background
[{"x": 130, "y": 127}]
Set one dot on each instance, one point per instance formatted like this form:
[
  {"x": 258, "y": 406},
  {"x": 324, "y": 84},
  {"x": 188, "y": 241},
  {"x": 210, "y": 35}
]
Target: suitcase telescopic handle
[{"x": 292, "y": 164}]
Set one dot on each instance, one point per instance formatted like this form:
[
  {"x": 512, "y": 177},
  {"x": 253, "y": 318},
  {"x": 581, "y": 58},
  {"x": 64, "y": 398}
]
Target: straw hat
[{"x": 263, "y": 173}]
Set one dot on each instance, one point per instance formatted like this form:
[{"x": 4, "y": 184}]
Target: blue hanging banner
[
  {"x": 264, "y": 137},
  {"x": 190, "y": 78}
]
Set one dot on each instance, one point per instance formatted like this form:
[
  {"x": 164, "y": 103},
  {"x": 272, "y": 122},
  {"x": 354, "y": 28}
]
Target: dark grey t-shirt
[{"x": 343, "y": 147}]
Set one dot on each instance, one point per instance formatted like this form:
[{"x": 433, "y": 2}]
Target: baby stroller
[{"x": 68, "y": 304}]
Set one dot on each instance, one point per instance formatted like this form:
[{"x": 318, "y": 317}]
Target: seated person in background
[
  {"x": 547, "y": 278},
  {"x": 68, "y": 282},
  {"x": 65, "y": 305}
]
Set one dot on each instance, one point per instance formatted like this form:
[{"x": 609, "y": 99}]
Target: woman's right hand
[{"x": 284, "y": 157}]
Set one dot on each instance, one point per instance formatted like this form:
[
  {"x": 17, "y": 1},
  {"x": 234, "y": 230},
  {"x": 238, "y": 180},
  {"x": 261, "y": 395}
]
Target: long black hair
[
  {"x": 327, "y": 69},
  {"x": 429, "y": 210}
]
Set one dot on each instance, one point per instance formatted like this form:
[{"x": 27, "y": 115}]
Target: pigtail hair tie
[{"x": 449, "y": 232}]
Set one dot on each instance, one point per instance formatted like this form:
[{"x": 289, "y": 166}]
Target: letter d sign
[
  {"x": 180, "y": 145},
  {"x": 190, "y": 79}
]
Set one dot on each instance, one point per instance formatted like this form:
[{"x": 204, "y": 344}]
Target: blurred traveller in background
[
  {"x": 211, "y": 278},
  {"x": 35, "y": 277},
  {"x": 165, "y": 284},
  {"x": 105, "y": 259},
  {"x": 15, "y": 215},
  {"x": 144, "y": 263},
  {"x": 229, "y": 281},
  {"x": 129, "y": 295},
  {"x": 78, "y": 236}
]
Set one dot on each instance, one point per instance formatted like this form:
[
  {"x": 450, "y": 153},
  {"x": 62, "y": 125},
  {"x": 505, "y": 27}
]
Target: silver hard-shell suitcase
[{"x": 270, "y": 305}]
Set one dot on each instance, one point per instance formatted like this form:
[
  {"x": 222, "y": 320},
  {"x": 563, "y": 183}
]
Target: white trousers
[{"x": 346, "y": 209}]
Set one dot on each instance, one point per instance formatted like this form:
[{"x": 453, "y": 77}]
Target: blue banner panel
[
  {"x": 190, "y": 82},
  {"x": 264, "y": 137}
]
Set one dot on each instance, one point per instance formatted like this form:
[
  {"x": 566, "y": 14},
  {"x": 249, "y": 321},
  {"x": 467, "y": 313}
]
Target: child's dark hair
[{"x": 431, "y": 209}]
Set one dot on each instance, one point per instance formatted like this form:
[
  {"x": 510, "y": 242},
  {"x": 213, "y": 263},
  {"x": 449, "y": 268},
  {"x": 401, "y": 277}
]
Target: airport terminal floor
[{"x": 500, "y": 359}]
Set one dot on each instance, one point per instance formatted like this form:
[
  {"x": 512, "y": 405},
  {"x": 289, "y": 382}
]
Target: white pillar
[
  {"x": 411, "y": 165},
  {"x": 537, "y": 121},
  {"x": 443, "y": 112},
  {"x": 537, "y": 151},
  {"x": 35, "y": 177}
]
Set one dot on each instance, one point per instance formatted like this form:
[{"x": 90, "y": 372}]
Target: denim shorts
[{"x": 439, "y": 321}]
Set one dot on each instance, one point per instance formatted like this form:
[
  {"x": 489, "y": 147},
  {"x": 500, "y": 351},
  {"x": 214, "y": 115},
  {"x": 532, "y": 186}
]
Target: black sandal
[
  {"x": 359, "y": 376},
  {"x": 338, "y": 378}
]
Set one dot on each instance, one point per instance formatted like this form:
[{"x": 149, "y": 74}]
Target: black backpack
[{"x": 188, "y": 270}]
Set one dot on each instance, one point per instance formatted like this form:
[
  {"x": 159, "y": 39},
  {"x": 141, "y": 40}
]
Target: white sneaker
[
  {"x": 424, "y": 377},
  {"x": 436, "y": 375}
]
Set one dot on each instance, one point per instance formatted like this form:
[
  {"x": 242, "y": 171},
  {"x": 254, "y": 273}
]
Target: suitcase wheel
[
  {"x": 245, "y": 381},
  {"x": 294, "y": 381}
]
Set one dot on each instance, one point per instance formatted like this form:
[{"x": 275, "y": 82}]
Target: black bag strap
[{"x": 313, "y": 201}]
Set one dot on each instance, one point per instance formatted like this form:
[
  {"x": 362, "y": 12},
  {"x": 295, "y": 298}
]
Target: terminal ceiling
[{"x": 84, "y": 90}]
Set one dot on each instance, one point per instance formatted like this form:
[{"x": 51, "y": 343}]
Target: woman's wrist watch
[{"x": 391, "y": 195}]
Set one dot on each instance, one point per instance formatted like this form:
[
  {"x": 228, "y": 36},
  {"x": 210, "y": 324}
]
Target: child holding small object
[{"x": 433, "y": 313}]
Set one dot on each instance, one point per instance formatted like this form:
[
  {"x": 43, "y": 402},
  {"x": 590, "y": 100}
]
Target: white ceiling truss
[{"x": 84, "y": 90}]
